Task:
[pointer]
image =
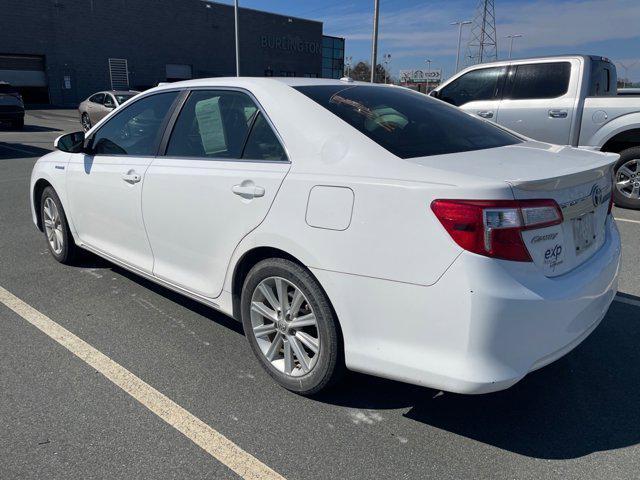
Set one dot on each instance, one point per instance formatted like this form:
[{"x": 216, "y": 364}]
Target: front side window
[
  {"x": 212, "y": 124},
  {"x": 108, "y": 101},
  {"x": 121, "y": 98},
  {"x": 406, "y": 123},
  {"x": 540, "y": 80},
  {"x": 481, "y": 84},
  {"x": 136, "y": 129}
]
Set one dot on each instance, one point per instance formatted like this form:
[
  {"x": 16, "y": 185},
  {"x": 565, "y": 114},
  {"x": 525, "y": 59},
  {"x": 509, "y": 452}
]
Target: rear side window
[
  {"x": 97, "y": 98},
  {"x": 212, "y": 124},
  {"x": 603, "y": 79},
  {"x": 262, "y": 143},
  {"x": 406, "y": 123},
  {"x": 136, "y": 129},
  {"x": 482, "y": 84},
  {"x": 539, "y": 80}
]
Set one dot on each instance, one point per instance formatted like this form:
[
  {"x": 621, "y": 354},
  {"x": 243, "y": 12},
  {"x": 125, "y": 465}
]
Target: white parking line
[
  {"x": 213, "y": 442},
  {"x": 626, "y": 220}
]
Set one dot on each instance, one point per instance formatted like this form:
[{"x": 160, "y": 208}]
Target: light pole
[
  {"x": 460, "y": 23},
  {"x": 428, "y": 60},
  {"x": 235, "y": 13},
  {"x": 387, "y": 59},
  {"x": 517, "y": 35},
  {"x": 374, "y": 46}
]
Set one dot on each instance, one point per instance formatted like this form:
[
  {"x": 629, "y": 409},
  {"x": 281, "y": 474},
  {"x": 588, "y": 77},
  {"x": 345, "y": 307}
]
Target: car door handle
[
  {"x": 558, "y": 113},
  {"x": 131, "y": 177},
  {"x": 248, "y": 190},
  {"x": 485, "y": 114}
]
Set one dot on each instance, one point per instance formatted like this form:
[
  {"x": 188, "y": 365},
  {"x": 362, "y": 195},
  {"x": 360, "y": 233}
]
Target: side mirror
[
  {"x": 434, "y": 94},
  {"x": 109, "y": 105},
  {"x": 70, "y": 143}
]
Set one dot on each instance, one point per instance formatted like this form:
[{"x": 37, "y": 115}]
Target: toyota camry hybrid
[{"x": 346, "y": 225}]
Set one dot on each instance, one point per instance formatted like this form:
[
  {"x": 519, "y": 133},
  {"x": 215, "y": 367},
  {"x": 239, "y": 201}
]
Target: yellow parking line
[{"x": 213, "y": 442}]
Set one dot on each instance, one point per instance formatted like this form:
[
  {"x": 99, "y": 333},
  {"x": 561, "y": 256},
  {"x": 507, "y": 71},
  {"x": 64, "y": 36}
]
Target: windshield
[
  {"x": 6, "y": 88},
  {"x": 121, "y": 98},
  {"x": 406, "y": 123}
]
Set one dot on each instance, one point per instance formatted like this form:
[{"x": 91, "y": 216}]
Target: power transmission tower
[{"x": 483, "y": 44}]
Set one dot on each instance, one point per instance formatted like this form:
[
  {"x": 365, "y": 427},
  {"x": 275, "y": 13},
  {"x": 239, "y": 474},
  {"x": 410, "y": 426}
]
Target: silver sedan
[{"x": 98, "y": 105}]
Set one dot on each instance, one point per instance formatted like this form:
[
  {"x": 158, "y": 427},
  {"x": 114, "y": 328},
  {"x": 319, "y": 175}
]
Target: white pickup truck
[{"x": 566, "y": 100}]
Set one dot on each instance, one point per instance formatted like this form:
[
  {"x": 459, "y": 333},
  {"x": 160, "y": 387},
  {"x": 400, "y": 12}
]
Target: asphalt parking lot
[{"x": 60, "y": 417}]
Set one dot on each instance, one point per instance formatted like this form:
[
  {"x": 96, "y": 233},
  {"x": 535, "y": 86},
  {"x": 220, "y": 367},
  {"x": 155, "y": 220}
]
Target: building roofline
[
  {"x": 211, "y": 2},
  {"x": 333, "y": 36}
]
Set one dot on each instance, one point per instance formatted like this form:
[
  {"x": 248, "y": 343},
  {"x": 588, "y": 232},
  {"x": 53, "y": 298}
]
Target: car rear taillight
[{"x": 493, "y": 227}]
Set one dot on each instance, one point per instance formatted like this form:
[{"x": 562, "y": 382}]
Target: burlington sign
[
  {"x": 289, "y": 44},
  {"x": 420, "y": 76}
]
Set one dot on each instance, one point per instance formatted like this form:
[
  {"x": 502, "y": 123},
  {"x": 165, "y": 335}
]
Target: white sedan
[{"x": 347, "y": 225}]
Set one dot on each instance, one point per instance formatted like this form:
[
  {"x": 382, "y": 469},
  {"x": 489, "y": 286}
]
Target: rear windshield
[{"x": 406, "y": 123}]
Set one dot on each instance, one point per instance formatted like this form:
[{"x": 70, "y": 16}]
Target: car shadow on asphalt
[
  {"x": 28, "y": 129},
  {"x": 186, "y": 302},
  {"x": 586, "y": 402},
  {"x": 10, "y": 151}
]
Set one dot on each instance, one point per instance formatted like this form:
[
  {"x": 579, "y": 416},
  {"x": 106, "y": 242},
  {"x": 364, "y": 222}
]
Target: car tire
[
  {"x": 18, "y": 124},
  {"x": 629, "y": 164},
  {"x": 326, "y": 366},
  {"x": 86, "y": 122},
  {"x": 56, "y": 229}
]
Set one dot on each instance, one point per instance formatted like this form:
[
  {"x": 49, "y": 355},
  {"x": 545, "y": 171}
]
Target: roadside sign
[{"x": 420, "y": 76}]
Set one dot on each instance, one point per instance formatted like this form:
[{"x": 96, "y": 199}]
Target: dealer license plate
[{"x": 584, "y": 233}]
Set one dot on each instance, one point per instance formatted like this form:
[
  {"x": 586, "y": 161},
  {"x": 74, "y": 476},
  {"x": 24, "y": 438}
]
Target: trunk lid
[{"x": 580, "y": 181}]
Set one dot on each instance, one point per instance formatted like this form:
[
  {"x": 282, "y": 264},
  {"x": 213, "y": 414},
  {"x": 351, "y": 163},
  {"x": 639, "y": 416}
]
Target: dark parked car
[{"x": 11, "y": 106}]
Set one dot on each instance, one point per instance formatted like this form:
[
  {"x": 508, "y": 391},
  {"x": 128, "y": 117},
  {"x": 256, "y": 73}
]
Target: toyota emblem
[{"x": 596, "y": 195}]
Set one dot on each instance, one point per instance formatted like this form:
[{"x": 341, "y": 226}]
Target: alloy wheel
[
  {"x": 86, "y": 123},
  {"x": 628, "y": 179},
  {"x": 285, "y": 326},
  {"x": 53, "y": 226}
]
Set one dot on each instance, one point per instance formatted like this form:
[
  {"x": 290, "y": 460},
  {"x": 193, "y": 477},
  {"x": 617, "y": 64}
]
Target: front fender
[{"x": 52, "y": 169}]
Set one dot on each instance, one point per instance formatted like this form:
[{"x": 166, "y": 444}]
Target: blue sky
[{"x": 413, "y": 30}]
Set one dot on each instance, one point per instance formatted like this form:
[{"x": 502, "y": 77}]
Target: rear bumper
[
  {"x": 481, "y": 328},
  {"x": 12, "y": 113}
]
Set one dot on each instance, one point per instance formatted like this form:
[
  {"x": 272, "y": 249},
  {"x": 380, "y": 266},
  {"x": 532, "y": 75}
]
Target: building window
[{"x": 332, "y": 57}]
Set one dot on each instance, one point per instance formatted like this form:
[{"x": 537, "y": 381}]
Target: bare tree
[{"x": 362, "y": 72}]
